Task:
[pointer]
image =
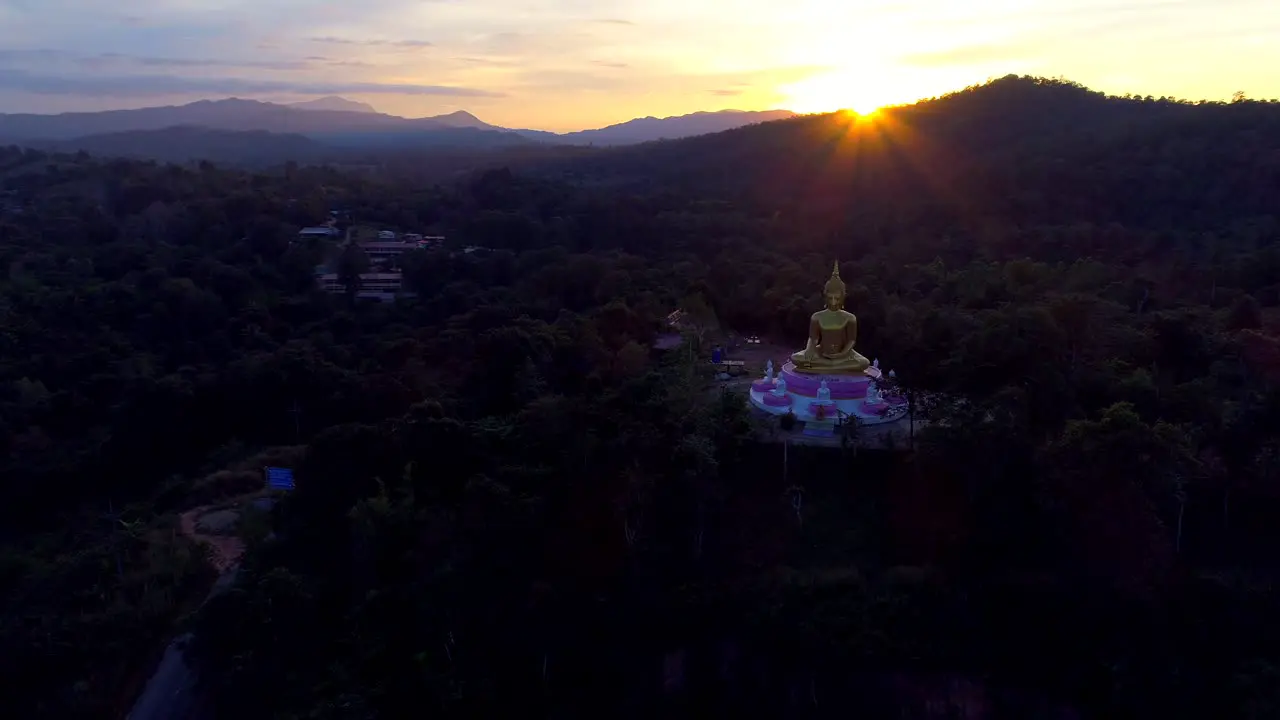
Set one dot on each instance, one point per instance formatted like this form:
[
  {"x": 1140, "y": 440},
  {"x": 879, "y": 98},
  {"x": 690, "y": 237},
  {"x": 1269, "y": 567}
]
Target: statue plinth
[
  {"x": 842, "y": 387},
  {"x": 774, "y": 401},
  {"x": 846, "y": 396}
]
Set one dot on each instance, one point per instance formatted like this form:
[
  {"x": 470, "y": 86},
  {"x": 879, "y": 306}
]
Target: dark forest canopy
[{"x": 507, "y": 505}]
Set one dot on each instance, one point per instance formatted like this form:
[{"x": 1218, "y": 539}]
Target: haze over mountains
[
  {"x": 333, "y": 102},
  {"x": 313, "y": 125},
  {"x": 648, "y": 129}
]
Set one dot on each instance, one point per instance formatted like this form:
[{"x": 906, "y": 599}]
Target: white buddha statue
[
  {"x": 824, "y": 393},
  {"x": 768, "y": 370},
  {"x": 873, "y": 394},
  {"x": 780, "y": 388}
]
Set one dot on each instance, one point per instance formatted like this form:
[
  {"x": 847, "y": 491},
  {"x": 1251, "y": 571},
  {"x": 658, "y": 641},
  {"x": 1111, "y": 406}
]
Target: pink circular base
[
  {"x": 842, "y": 387},
  {"x": 803, "y": 407},
  {"x": 763, "y": 386},
  {"x": 776, "y": 400}
]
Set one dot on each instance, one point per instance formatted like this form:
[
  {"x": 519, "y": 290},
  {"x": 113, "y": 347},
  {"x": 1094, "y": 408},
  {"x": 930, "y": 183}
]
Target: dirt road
[{"x": 171, "y": 693}]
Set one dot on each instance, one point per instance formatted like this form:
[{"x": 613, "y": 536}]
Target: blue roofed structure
[{"x": 279, "y": 478}]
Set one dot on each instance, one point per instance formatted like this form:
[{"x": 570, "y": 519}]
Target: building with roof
[
  {"x": 381, "y": 250},
  {"x": 378, "y": 285},
  {"x": 388, "y": 252},
  {"x": 324, "y": 231}
]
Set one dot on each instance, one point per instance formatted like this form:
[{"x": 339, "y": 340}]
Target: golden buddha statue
[{"x": 832, "y": 335}]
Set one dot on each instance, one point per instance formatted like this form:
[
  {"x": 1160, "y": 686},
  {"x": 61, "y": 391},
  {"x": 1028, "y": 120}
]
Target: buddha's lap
[{"x": 847, "y": 359}]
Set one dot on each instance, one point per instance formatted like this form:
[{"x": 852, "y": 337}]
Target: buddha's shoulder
[{"x": 830, "y": 316}]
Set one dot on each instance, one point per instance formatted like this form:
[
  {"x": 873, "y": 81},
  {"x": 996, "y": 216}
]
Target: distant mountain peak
[
  {"x": 334, "y": 103},
  {"x": 460, "y": 119},
  {"x": 650, "y": 128}
]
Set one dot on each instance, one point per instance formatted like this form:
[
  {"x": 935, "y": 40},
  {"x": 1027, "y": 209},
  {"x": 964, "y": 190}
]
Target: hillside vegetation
[{"x": 509, "y": 505}]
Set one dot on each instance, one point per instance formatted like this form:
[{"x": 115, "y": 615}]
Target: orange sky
[{"x": 573, "y": 64}]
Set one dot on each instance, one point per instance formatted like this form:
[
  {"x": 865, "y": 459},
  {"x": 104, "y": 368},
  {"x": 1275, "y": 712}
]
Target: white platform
[{"x": 804, "y": 406}]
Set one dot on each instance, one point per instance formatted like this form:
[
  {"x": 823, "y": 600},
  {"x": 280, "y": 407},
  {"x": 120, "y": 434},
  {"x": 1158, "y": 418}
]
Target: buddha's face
[{"x": 835, "y": 300}]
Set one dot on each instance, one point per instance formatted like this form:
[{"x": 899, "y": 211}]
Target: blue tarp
[{"x": 279, "y": 478}]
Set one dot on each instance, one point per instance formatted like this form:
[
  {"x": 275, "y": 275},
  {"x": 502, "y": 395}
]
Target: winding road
[{"x": 171, "y": 692}]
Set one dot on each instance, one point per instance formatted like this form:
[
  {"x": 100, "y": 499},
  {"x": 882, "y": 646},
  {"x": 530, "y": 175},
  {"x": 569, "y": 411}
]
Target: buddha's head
[{"x": 833, "y": 291}]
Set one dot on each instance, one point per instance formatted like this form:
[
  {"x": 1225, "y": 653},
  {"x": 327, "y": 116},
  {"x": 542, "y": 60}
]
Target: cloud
[
  {"x": 161, "y": 85},
  {"x": 640, "y": 81},
  {"x": 965, "y": 55},
  {"x": 726, "y": 93},
  {"x": 42, "y": 59},
  {"x": 614, "y": 21},
  {"x": 606, "y": 63},
  {"x": 21, "y": 56},
  {"x": 330, "y": 40},
  {"x": 486, "y": 62},
  {"x": 173, "y": 62},
  {"x": 338, "y": 62},
  {"x": 537, "y": 46}
]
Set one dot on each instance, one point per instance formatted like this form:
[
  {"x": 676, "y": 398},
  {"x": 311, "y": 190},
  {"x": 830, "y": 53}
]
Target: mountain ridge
[
  {"x": 334, "y": 102},
  {"x": 333, "y": 115},
  {"x": 646, "y": 129},
  {"x": 952, "y": 140},
  {"x": 184, "y": 143},
  {"x": 226, "y": 114}
]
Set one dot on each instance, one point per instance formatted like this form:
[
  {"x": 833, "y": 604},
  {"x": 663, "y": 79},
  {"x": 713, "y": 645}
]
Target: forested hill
[
  {"x": 508, "y": 504},
  {"x": 183, "y": 143},
  {"x": 1016, "y": 149}
]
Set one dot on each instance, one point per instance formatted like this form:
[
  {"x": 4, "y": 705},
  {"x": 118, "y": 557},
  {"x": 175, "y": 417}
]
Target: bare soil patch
[{"x": 215, "y": 527}]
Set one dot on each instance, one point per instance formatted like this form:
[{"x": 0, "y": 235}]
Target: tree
[
  {"x": 352, "y": 263},
  {"x": 1130, "y": 480},
  {"x": 1245, "y": 313}
]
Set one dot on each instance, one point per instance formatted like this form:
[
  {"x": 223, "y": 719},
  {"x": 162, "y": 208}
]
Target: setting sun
[{"x": 837, "y": 91}]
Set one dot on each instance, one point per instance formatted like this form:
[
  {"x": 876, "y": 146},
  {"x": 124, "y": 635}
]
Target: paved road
[{"x": 171, "y": 692}]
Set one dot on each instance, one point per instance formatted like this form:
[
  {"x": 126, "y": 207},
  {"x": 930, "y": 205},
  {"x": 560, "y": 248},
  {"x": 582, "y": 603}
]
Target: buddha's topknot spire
[{"x": 835, "y": 284}]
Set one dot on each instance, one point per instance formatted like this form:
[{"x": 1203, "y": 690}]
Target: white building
[
  {"x": 383, "y": 250},
  {"x": 317, "y": 232},
  {"x": 376, "y": 285}
]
